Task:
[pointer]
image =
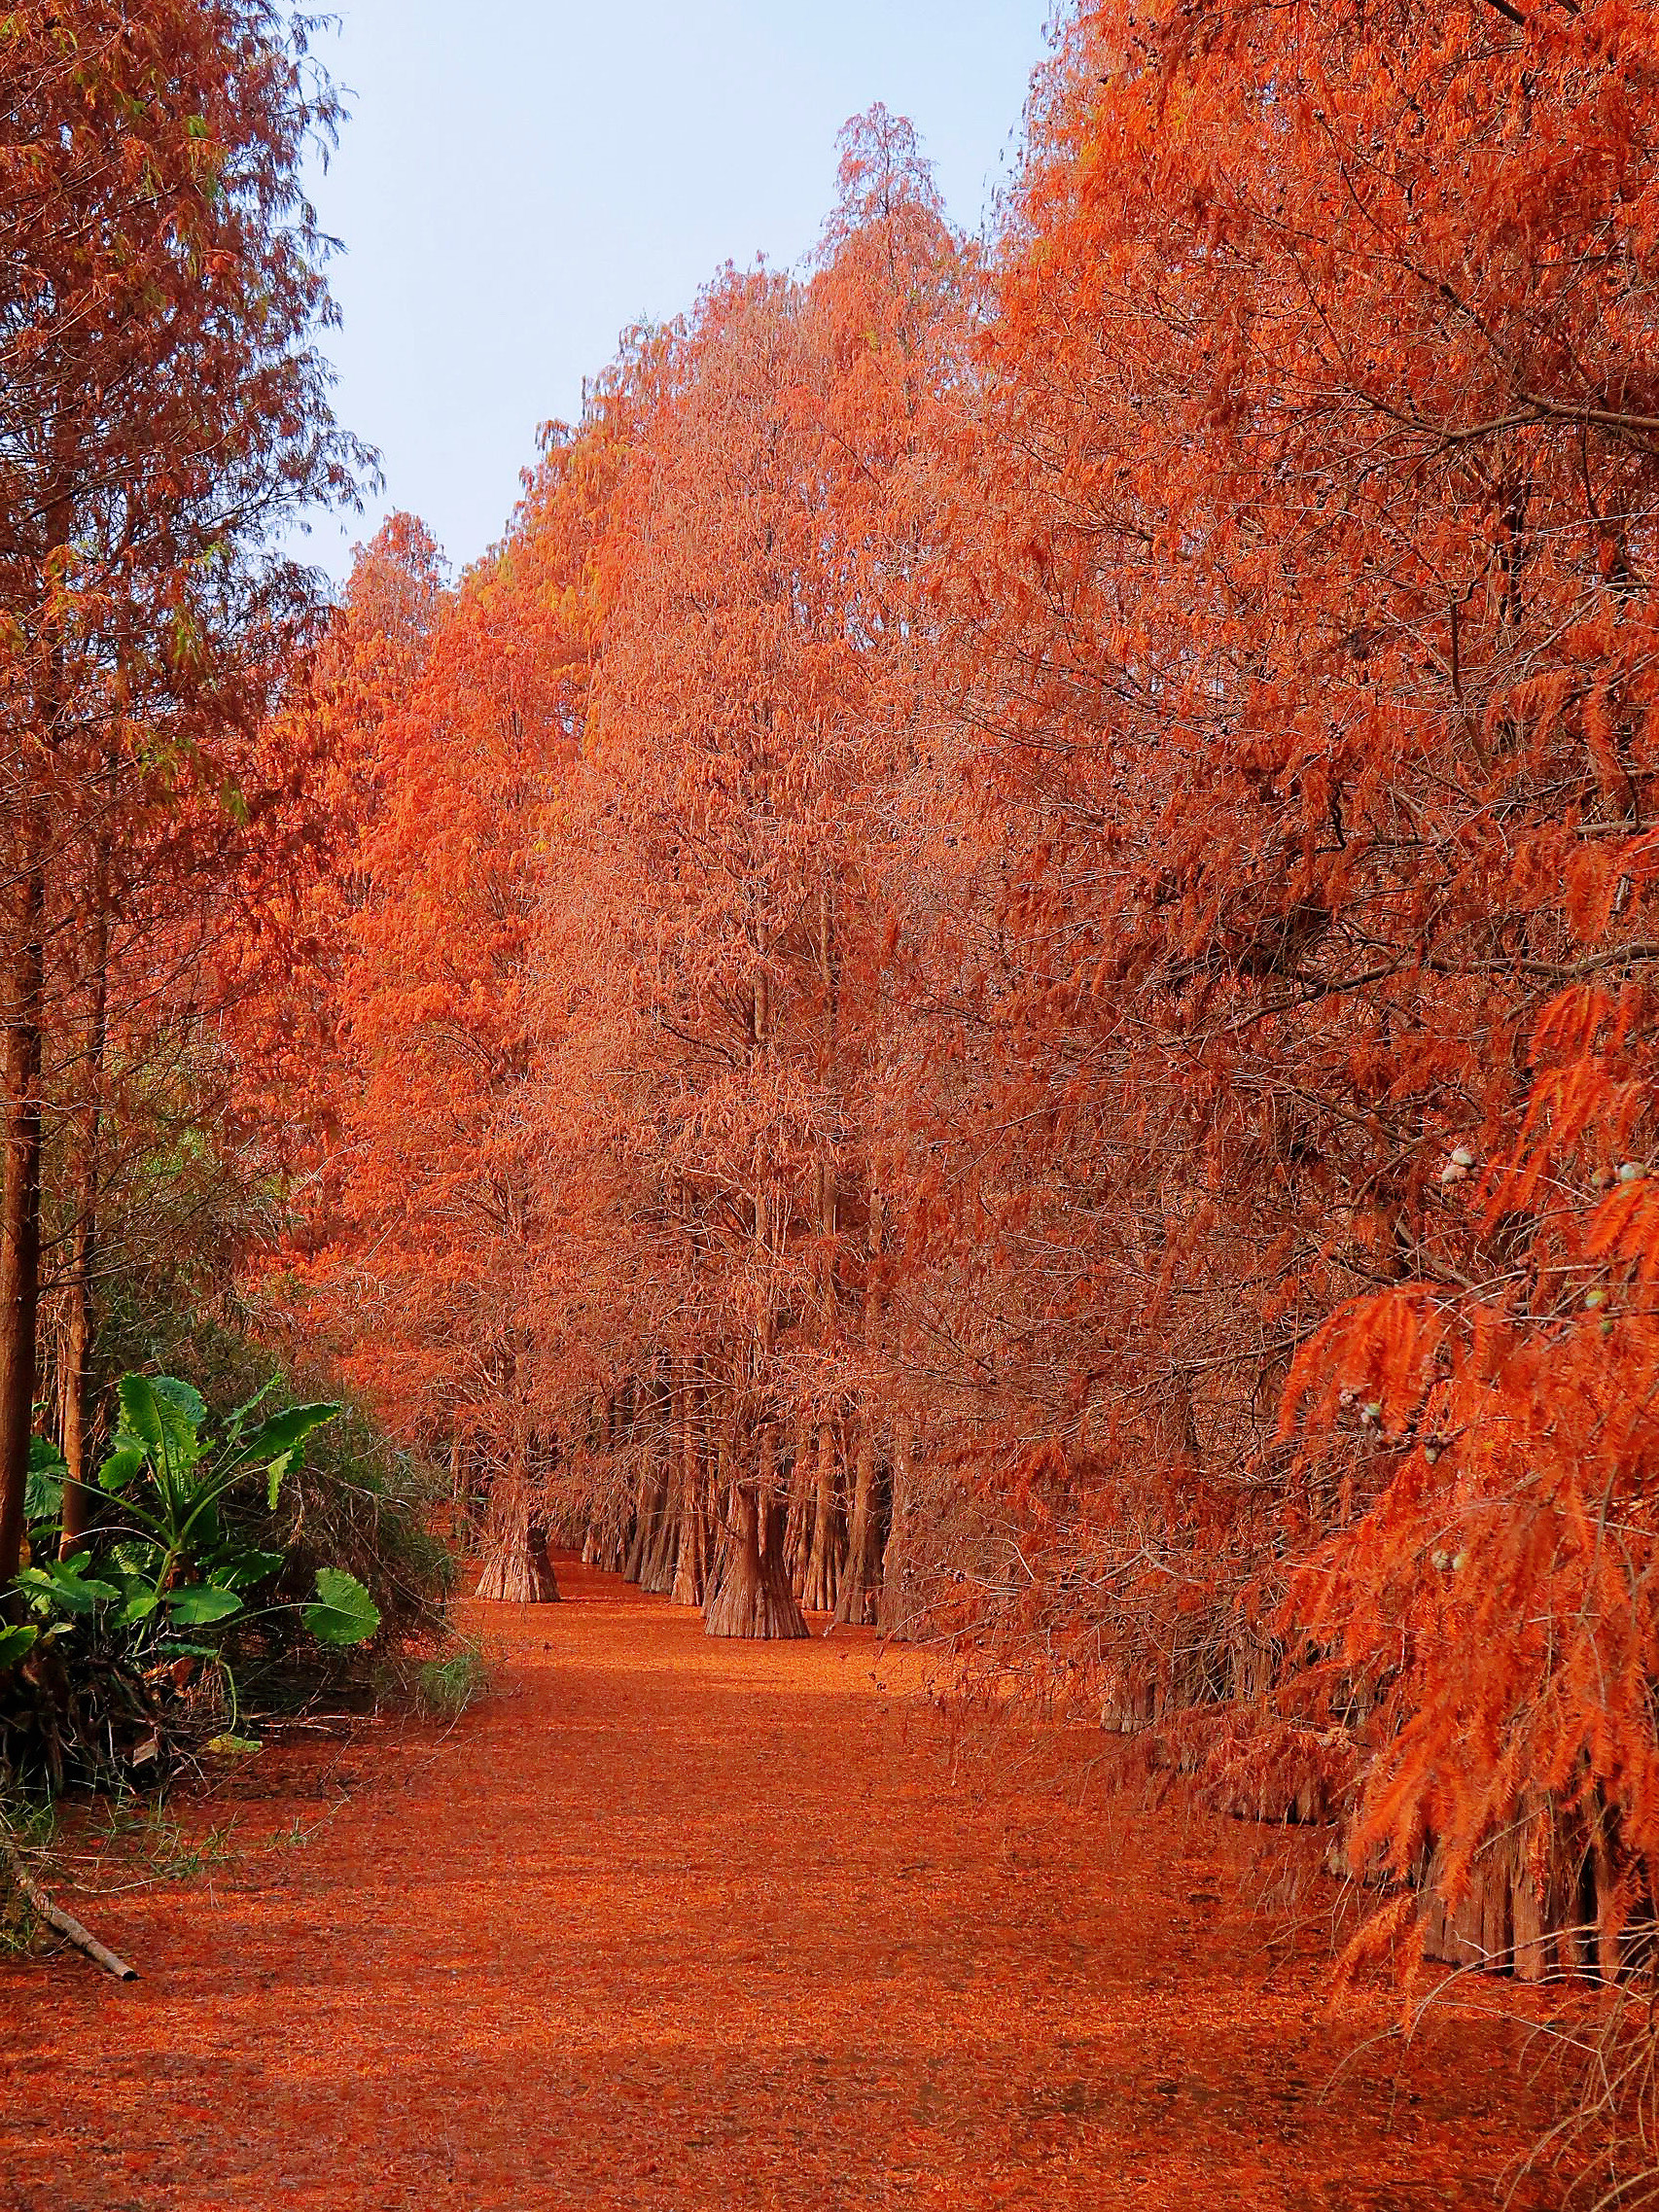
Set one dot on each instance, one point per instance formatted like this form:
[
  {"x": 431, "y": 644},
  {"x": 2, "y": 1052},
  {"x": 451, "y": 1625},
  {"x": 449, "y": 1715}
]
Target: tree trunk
[
  {"x": 691, "y": 1561},
  {"x": 823, "y": 1569},
  {"x": 1540, "y": 1899},
  {"x": 749, "y": 1593},
  {"x": 690, "y": 1565},
  {"x": 663, "y": 1553},
  {"x": 605, "y": 1549},
  {"x": 648, "y": 1518},
  {"x": 861, "y": 1579},
  {"x": 753, "y": 1597},
  {"x": 897, "y": 1612},
  {"x": 19, "y": 1198},
  {"x": 801, "y": 1486},
  {"x": 78, "y": 1495},
  {"x": 517, "y": 1570}
]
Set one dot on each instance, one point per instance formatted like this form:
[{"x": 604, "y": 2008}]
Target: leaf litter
[{"x": 668, "y": 1923}]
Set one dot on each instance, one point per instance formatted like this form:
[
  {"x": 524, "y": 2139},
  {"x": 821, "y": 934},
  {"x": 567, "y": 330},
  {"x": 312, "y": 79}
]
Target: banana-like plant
[{"x": 165, "y": 1574}]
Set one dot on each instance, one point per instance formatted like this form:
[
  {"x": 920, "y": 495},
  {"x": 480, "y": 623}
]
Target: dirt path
[{"x": 672, "y": 1923}]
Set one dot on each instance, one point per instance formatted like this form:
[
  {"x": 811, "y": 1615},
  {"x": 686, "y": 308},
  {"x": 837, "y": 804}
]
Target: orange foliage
[{"x": 1012, "y": 939}]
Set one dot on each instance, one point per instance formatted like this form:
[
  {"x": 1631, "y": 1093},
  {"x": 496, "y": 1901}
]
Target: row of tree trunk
[
  {"x": 821, "y": 1528},
  {"x": 758, "y": 1530}
]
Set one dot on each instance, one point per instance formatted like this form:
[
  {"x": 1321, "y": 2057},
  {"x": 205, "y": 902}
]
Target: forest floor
[{"x": 673, "y": 1923}]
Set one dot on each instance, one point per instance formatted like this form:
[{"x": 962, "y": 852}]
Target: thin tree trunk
[
  {"x": 691, "y": 1561},
  {"x": 861, "y": 1578},
  {"x": 800, "y": 1489},
  {"x": 690, "y": 1565},
  {"x": 823, "y": 1575},
  {"x": 648, "y": 1518},
  {"x": 657, "y": 1546},
  {"x": 897, "y": 1610},
  {"x": 19, "y": 1197},
  {"x": 663, "y": 1553},
  {"x": 78, "y": 1495}
]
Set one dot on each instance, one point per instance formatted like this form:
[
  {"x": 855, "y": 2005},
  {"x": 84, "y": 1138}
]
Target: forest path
[{"x": 673, "y": 1923}]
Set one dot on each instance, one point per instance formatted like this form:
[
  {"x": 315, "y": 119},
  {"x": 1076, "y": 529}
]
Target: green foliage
[
  {"x": 43, "y": 1495},
  {"x": 171, "y": 1579},
  {"x": 343, "y": 1612},
  {"x": 445, "y": 1687},
  {"x": 350, "y": 1498},
  {"x": 172, "y": 1559},
  {"x": 64, "y": 1586}
]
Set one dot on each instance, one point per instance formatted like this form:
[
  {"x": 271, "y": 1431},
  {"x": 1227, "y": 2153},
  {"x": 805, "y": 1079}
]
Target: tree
[
  {"x": 1302, "y": 758},
  {"x": 726, "y": 840},
  {"x": 162, "y": 413},
  {"x": 425, "y": 1232}
]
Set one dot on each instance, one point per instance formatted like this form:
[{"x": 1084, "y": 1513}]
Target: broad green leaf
[
  {"x": 182, "y": 1400},
  {"x": 63, "y": 1584},
  {"x": 343, "y": 1612},
  {"x": 182, "y": 1413},
  {"x": 200, "y": 1603},
  {"x": 278, "y": 1443},
  {"x": 15, "y": 1642},
  {"x": 176, "y": 1648},
  {"x": 137, "y": 1560},
  {"x": 240, "y": 1570},
  {"x": 123, "y": 1464},
  {"x": 89, "y": 1589},
  {"x": 140, "y": 1411},
  {"x": 140, "y": 1604},
  {"x": 43, "y": 1493},
  {"x": 284, "y": 1430}
]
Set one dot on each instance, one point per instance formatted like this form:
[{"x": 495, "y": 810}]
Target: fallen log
[{"x": 64, "y": 1924}]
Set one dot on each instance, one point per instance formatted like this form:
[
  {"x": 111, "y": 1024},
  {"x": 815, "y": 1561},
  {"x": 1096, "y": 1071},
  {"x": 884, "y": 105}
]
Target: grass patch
[{"x": 444, "y": 1688}]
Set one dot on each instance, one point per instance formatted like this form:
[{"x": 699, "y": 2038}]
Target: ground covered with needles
[{"x": 668, "y": 1923}]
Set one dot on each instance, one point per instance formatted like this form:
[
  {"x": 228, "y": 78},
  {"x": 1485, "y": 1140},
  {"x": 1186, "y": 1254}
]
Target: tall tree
[
  {"x": 162, "y": 412},
  {"x": 730, "y": 814},
  {"x": 426, "y": 1226},
  {"x": 1304, "y": 749}
]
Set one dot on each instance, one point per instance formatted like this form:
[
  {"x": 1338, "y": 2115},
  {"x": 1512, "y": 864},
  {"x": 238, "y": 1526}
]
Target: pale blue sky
[{"x": 517, "y": 182}]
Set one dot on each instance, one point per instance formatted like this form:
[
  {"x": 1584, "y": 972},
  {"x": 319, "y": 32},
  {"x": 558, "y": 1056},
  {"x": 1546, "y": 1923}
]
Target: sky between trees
[{"x": 517, "y": 182}]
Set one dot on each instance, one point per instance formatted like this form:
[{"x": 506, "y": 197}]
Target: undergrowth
[{"x": 444, "y": 1687}]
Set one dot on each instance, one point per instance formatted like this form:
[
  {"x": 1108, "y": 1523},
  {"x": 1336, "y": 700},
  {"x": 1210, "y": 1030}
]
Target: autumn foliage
[
  {"x": 164, "y": 416},
  {"x": 997, "y": 975}
]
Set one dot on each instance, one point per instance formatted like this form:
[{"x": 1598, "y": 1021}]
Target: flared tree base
[
  {"x": 520, "y": 1572},
  {"x": 752, "y": 1596}
]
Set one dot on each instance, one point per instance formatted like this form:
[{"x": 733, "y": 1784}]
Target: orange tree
[
  {"x": 1297, "y": 805},
  {"x": 162, "y": 410},
  {"x": 729, "y": 832},
  {"x": 425, "y": 1228}
]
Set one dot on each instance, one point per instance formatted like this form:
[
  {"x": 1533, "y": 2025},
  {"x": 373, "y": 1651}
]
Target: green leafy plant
[{"x": 171, "y": 1576}]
